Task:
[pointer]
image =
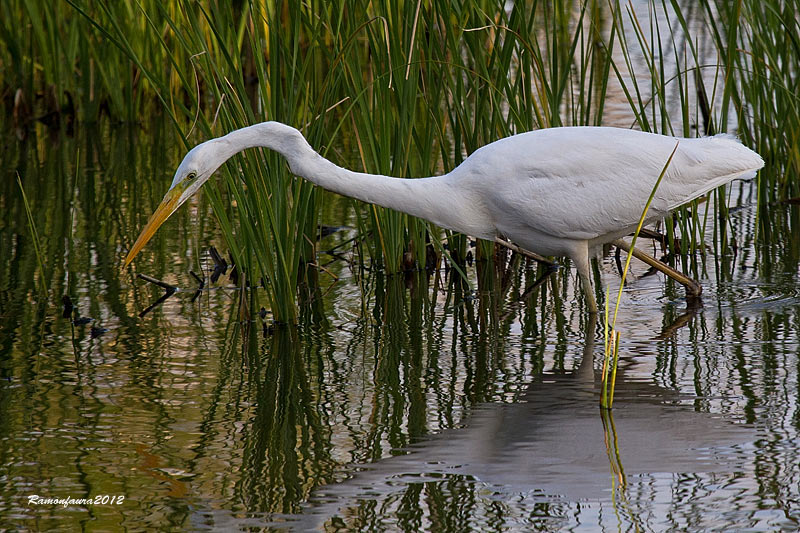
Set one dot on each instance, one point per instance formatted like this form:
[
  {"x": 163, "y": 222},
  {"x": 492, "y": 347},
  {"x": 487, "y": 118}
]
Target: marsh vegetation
[{"x": 402, "y": 338}]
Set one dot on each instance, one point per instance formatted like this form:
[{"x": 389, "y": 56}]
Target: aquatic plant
[
  {"x": 407, "y": 89},
  {"x": 37, "y": 247},
  {"x": 611, "y": 335}
]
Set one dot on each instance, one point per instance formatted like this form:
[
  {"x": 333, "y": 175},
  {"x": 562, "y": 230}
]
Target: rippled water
[
  {"x": 422, "y": 409},
  {"x": 398, "y": 403}
]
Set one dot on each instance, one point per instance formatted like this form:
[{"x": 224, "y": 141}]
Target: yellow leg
[{"x": 692, "y": 287}]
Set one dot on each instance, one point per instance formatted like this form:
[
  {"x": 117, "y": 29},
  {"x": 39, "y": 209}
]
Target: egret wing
[{"x": 585, "y": 183}]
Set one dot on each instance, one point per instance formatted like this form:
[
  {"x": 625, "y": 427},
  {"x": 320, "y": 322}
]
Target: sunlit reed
[{"x": 408, "y": 89}]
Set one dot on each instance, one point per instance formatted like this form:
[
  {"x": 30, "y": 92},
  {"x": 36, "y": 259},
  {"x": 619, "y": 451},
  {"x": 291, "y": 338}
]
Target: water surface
[
  {"x": 416, "y": 407},
  {"x": 399, "y": 402}
]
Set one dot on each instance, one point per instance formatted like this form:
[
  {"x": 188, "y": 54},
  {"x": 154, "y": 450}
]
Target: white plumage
[{"x": 560, "y": 191}]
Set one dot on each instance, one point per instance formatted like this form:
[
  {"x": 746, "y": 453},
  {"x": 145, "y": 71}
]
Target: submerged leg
[
  {"x": 580, "y": 257},
  {"x": 586, "y": 283},
  {"x": 693, "y": 288}
]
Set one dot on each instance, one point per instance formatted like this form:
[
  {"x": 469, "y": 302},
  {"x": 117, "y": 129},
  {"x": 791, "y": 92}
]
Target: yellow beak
[{"x": 167, "y": 206}]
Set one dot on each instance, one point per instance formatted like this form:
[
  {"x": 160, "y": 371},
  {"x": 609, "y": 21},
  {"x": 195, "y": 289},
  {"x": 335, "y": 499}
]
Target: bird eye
[{"x": 191, "y": 175}]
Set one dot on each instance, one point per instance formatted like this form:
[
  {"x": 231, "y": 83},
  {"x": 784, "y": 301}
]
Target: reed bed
[{"x": 406, "y": 89}]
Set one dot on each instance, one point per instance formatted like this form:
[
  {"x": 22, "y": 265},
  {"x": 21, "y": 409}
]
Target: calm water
[{"x": 399, "y": 403}]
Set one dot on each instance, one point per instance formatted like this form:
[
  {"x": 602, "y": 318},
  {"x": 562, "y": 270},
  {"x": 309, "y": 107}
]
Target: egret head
[{"x": 195, "y": 169}]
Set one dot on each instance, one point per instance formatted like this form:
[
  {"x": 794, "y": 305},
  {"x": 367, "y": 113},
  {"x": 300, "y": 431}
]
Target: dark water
[{"x": 399, "y": 403}]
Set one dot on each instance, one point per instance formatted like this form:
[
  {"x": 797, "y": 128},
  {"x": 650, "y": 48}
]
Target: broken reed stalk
[{"x": 170, "y": 289}]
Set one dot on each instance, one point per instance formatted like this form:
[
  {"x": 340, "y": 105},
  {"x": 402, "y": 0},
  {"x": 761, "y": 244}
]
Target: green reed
[
  {"x": 408, "y": 89},
  {"x": 611, "y": 334},
  {"x": 37, "y": 247},
  {"x": 762, "y": 51}
]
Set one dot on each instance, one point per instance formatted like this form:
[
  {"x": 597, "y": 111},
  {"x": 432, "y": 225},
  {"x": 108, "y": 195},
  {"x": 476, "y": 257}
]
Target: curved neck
[{"x": 436, "y": 199}]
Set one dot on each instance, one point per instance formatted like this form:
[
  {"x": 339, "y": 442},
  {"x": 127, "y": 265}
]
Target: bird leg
[
  {"x": 583, "y": 271},
  {"x": 588, "y": 289},
  {"x": 693, "y": 289}
]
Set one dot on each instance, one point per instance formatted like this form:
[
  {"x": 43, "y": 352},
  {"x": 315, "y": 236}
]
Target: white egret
[{"x": 554, "y": 192}]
